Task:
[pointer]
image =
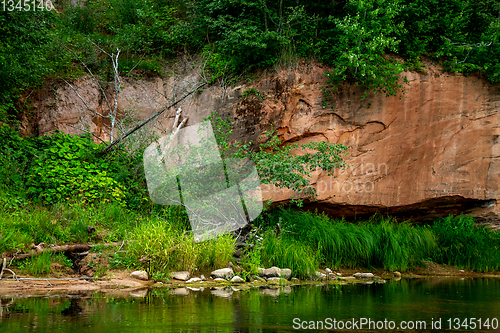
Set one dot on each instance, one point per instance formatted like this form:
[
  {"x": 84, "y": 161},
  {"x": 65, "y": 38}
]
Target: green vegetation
[
  {"x": 276, "y": 163},
  {"x": 367, "y": 42},
  {"x": 336, "y": 243},
  {"x": 314, "y": 239},
  {"x": 54, "y": 188},
  {"x": 167, "y": 247},
  {"x": 465, "y": 245}
]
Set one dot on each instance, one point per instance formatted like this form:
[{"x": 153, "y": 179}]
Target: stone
[
  {"x": 203, "y": 278},
  {"x": 237, "y": 269},
  {"x": 223, "y": 273},
  {"x": 364, "y": 275},
  {"x": 286, "y": 273},
  {"x": 320, "y": 275},
  {"x": 220, "y": 280},
  {"x": 273, "y": 280},
  {"x": 140, "y": 275},
  {"x": 269, "y": 272},
  {"x": 237, "y": 279},
  {"x": 396, "y": 274},
  {"x": 346, "y": 278},
  {"x": 193, "y": 280},
  {"x": 182, "y": 276}
]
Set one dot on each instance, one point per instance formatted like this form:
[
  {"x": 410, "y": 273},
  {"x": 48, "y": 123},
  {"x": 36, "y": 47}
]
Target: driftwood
[
  {"x": 61, "y": 248},
  {"x": 3, "y": 267}
]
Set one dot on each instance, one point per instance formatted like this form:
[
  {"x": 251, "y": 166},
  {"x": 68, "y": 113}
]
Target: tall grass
[
  {"x": 285, "y": 252},
  {"x": 166, "y": 247},
  {"x": 378, "y": 242},
  {"x": 465, "y": 245}
]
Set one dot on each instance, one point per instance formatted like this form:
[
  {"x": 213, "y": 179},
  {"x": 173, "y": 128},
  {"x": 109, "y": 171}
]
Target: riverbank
[
  {"x": 305, "y": 242},
  {"x": 119, "y": 282}
]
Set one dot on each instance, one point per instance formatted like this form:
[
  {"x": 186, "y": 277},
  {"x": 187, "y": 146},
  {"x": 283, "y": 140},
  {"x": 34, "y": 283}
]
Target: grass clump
[
  {"x": 378, "y": 242},
  {"x": 41, "y": 265},
  {"x": 285, "y": 252},
  {"x": 465, "y": 245},
  {"x": 165, "y": 247}
]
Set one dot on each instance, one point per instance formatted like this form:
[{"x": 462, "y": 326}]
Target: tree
[{"x": 366, "y": 34}]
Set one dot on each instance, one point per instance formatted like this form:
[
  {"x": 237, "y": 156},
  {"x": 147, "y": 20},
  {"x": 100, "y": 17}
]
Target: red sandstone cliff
[{"x": 434, "y": 151}]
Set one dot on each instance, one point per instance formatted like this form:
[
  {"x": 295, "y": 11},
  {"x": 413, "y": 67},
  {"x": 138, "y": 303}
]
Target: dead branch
[{"x": 156, "y": 115}]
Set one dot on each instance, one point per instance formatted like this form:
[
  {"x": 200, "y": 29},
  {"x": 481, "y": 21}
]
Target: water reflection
[{"x": 230, "y": 309}]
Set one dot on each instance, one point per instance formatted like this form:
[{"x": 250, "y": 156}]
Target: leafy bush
[
  {"x": 68, "y": 168},
  {"x": 364, "y": 36}
]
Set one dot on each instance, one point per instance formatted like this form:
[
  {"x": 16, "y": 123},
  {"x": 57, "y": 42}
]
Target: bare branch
[
  {"x": 81, "y": 98},
  {"x": 156, "y": 115},
  {"x": 176, "y": 120}
]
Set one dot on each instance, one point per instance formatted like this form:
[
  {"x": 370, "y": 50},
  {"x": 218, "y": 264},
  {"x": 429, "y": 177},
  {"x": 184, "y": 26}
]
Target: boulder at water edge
[
  {"x": 223, "y": 273},
  {"x": 182, "y": 276},
  {"x": 140, "y": 275}
]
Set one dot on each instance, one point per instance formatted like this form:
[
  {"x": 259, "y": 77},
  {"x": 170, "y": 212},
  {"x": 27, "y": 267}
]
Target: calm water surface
[{"x": 261, "y": 310}]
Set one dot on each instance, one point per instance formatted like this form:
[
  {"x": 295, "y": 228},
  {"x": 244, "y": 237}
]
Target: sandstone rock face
[{"x": 433, "y": 152}]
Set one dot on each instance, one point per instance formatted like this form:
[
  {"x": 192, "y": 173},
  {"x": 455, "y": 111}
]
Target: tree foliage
[
  {"x": 284, "y": 166},
  {"x": 367, "y": 42}
]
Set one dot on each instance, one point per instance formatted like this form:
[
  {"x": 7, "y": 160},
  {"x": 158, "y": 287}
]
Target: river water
[{"x": 426, "y": 305}]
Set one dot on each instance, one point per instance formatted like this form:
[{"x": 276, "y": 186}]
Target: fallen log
[{"x": 54, "y": 249}]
